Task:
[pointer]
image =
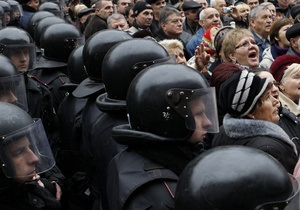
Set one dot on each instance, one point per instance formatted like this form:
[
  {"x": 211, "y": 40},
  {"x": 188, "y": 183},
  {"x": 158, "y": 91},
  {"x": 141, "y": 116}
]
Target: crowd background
[{"x": 108, "y": 104}]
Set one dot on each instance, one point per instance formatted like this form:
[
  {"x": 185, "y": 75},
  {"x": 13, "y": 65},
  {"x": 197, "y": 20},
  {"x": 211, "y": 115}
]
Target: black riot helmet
[
  {"x": 164, "y": 99},
  {"x": 36, "y": 18},
  {"x": 16, "y": 42},
  {"x": 12, "y": 84},
  {"x": 76, "y": 71},
  {"x": 22, "y": 137},
  {"x": 121, "y": 64},
  {"x": 96, "y": 48},
  {"x": 51, "y": 7},
  {"x": 42, "y": 25},
  {"x": 58, "y": 41},
  {"x": 16, "y": 10},
  {"x": 235, "y": 178}
]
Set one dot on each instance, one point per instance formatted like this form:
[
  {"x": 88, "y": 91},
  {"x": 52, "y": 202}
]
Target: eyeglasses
[{"x": 246, "y": 43}]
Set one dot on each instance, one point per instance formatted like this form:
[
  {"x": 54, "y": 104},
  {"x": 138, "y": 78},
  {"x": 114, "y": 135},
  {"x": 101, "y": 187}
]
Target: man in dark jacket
[{"x": 103, "y": 9}]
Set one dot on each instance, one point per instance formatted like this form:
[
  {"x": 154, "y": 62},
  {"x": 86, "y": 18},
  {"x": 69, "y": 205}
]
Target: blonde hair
[
  {"x": 291, "y": 71},
  {"x": 231, "y": 39},
  {"x": 78, "y": 8},
  {"x": 171, "y": 44}
]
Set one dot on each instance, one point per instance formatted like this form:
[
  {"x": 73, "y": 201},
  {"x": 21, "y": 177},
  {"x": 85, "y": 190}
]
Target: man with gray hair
[
  {"x": 207, "y": 17},
  {"x": 260, "y": 25},
  {"x": 117, "y": 21}
]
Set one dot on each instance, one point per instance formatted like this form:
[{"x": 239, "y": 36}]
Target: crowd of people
[{"x": 149, "y": 104}]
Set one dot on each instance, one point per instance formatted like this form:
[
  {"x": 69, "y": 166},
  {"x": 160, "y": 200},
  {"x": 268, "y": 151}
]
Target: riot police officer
[
  {"x": 170, "y": 109},
  {"x": 236, "y": 177}
]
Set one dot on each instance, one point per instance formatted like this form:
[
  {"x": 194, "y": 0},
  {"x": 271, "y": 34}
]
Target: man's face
[
  {"x": 106, "y": 9},
  {"x": 158, "y": 6},
  {"x": 252, "y": 3},
  {"x": 173, "y": 27},
  {"x": 144, "y": 19},
  {"x": 212, "y": 17},
  {"x": 34, "y": 4},
  {"x": 219, "y": 6},
  {"x": 203, "y": 3},
  {"x": 22, "y": 158},
  {"x": 272, "y": 9},
  {"x": 21, "y": 59},
  {"x": 122, "y": 5},
  {"x": 283, "y": 3},
  {"x": 191, "y": 15},
  {"x": 262, "y": 24},
  {"x": 119, "y": 24}
]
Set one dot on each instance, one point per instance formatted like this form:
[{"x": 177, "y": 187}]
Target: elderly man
[
  {"x": 191, "y": 13},
  {"x": 260, "y": 25},
  {"x": 171, "y": 26},
  {"x": 103, "y": 9},
  {"x": 143, "y": 17},
  {"x": 219, "y": 5},
  {"x": 207, "y": 17},
  {"x": 117, "y": 21}
]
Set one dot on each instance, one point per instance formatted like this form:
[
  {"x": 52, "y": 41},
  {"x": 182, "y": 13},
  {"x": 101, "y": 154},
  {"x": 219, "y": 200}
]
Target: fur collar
[{"x": 243, "y": 128}]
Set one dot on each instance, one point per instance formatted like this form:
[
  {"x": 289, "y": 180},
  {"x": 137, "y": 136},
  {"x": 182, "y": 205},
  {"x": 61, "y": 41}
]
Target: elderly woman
[
  {"x": 174, "y": 47},
  {"x": 240, "y": 48},
  {"x": 286, "y": 71},
  {"x": 279, "y": 43},
  {"x": 252, "y": 114}
]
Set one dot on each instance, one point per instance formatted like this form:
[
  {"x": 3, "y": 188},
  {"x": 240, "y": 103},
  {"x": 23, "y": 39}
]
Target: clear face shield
[
  {"x": 22, "y": 55},
  {"x": 17, "y": 12},
  {"x": 26, "y": 152},
  {"x": 197, "y": 107},
  {"x": 292, "y": 203},
  {"x": 13, "y": 90}
]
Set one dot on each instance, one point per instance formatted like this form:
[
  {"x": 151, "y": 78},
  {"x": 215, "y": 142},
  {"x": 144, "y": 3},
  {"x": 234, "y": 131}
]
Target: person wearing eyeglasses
[{"x": 240, "y": 48}]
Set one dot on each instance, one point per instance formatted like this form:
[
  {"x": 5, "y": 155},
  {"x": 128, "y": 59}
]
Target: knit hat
[
  {"x": 293, "y": 31},
  {"x": 280, "y": 64},
  {"x": 140, "y": 6},
  {"x": 240, "y": 93},
  {"x": 220, "y": 37}
]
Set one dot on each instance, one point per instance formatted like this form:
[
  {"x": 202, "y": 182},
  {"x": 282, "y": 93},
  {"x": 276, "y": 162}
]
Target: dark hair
[{"x": 276, "y": 26}]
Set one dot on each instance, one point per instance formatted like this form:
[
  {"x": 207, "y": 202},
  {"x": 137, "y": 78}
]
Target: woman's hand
[{"x": 201, "y": 58}]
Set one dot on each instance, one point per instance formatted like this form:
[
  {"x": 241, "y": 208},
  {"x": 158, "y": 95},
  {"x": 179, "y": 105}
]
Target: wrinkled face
[
  {"x": 23, "y": 159},
  {"x": 158, "y": 6},
  {"x": 173, "y": 27},
  {"x": 122, "y": 5},
  {"x": 219, "y": 6},
  {"x": 201, "y": 121},
  {"x": 179, "y": 55},
  {"x": 268, "y": 109},
  {"x": 290, "y": 87},
  {"x": 262, "y": 24},
  {"x": 252, "y": 3},
  {"x": 246, "y": 52},
  {"x": 20, "y": 57},
  {"x": 203, "y": 3},
  {"x": 120, "y": 24},
  {"x": 106, "y": 9},
  {"x": 282, "y": 40},
  {"x": 272, "y": 9},
  {"x": 212, "y": 18},
  {"x": 144, "y": 19}
]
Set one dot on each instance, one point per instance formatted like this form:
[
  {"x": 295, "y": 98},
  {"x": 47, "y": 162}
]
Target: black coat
[
  {"x": 95, "y": 24},
  {"x": 258, "y": 134}
]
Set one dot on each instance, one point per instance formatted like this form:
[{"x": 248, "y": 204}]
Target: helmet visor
[
  {"x": 13, "y": 90},
  {"x": 26, "y": 152},
  {"x": 22, "y": 55},
  {"x": 292, "y": 203},
  {"x": 197, "y": 107}
]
